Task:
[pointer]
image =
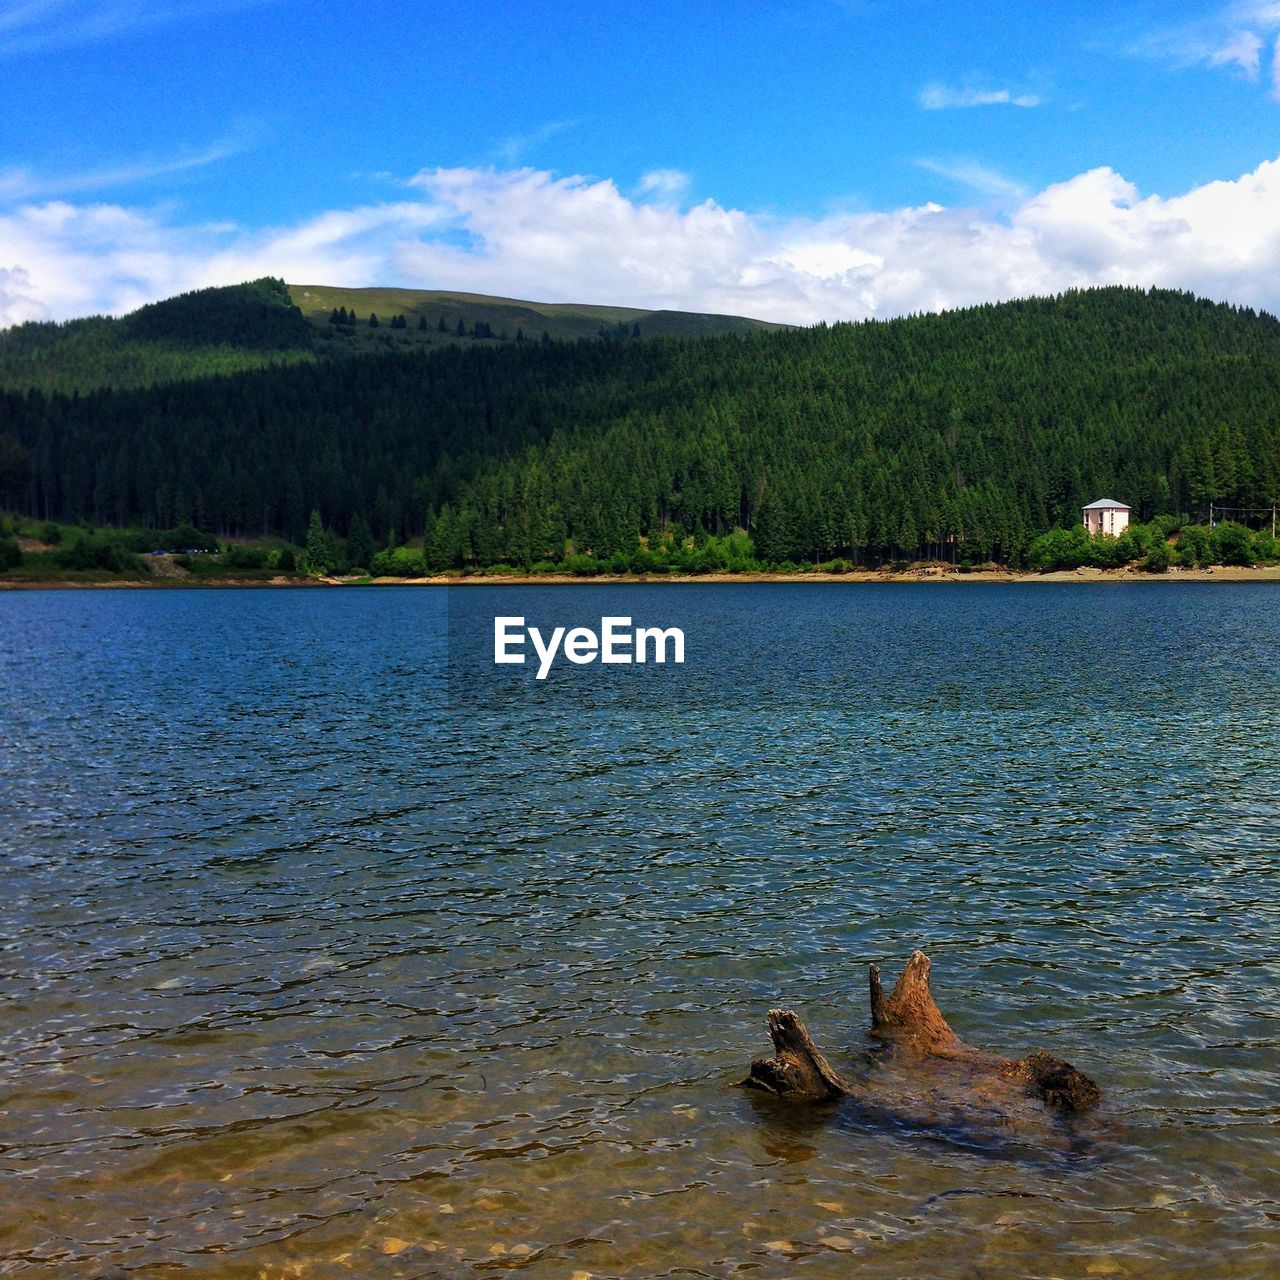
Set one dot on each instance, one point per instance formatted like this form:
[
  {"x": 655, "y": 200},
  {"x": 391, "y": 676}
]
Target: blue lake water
[{"x": 327, "y": 948}]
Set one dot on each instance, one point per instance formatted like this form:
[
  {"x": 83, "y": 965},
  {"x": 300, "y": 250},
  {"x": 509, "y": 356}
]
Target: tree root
[{"x": 910, "y": 1024}]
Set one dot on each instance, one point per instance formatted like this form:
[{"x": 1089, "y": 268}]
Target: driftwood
[{"x": 911, "y": 1027}]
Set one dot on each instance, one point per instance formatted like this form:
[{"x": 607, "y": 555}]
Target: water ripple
[{"x": 323, "y": 954}]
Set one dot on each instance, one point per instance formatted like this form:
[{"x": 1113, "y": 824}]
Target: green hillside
[
  {"x": 266, "y": 322},
  {"x": 195, "y": 335},
  {"x": 961, "y": 435},
  {"x": 436, "y": 319}
]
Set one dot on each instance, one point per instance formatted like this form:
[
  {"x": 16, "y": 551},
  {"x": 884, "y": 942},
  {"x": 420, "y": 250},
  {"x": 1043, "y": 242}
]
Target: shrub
[
  {"x": 1062, "y": 549},
  {"x": 1135, "y": 542},
  {"x": 1158, "y": 558},
  {"x": 1265, "y": 547},
  {"x": 10, "y": 554},
  {"x": 245, "y": 558},
  {"x": 399, "y": 562},
  {"x": 100, "y": 551},
  {"x": 582, "y": 566},
  {"x": 1193, "y": 544},
  {"x": 1231, "y": 543}
]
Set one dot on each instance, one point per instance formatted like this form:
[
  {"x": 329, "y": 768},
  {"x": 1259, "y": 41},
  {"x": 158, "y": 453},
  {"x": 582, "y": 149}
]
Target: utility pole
[{"x": 1210, "y": 515}]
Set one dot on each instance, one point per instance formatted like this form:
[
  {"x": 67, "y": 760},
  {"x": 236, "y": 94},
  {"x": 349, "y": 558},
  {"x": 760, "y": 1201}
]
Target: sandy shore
[{"x": 1256, "y": 573}]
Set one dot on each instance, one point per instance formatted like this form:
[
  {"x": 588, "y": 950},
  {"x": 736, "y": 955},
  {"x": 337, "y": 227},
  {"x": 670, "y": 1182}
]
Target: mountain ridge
[{"x": 235, "y": 328}]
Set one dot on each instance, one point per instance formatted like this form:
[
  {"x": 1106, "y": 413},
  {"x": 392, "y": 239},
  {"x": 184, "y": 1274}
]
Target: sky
[{"x": 793, "y": 160}]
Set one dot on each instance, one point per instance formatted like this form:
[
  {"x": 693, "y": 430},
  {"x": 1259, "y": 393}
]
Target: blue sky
[{"x": 799, "y": 160}]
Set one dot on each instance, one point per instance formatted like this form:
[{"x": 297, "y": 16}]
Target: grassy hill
[
  {"x": 266, "y": 322},
  {"x": 433, "y": 319}
]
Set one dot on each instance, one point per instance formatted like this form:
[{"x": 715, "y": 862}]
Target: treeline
[
  {"x": 959, "y": 436},
  {"x": 341, "y": 318},
  {"x": 206, "y": 333}
]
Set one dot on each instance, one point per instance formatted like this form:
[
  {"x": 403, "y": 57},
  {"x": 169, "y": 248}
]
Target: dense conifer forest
[{"x": 959, "y": 436}]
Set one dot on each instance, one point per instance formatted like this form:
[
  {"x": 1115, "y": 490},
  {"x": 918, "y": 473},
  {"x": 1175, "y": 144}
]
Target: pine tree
[
  {"x": 317, "y": 558},
  {"x": 772, "y": 529},
  {"x": 359, "y": 543}
]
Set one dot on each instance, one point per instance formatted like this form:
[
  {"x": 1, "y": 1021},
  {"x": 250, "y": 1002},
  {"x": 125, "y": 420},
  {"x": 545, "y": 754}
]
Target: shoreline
[{"x": 1218, "y": 573}]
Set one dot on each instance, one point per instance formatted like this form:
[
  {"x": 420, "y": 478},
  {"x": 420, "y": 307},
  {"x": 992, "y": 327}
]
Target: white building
[{"x": 1106, "y": 516}]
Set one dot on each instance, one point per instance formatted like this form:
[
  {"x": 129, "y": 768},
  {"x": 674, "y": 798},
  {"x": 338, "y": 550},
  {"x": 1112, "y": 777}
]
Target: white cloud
[
  {"x": 20, "y": 184},
  {"x": 1233, "y": 37},
  {"x": 512, "y": 150},
  {"x": 975, "y": 176},
  {"x": 1242, "y": 49},
  {"x": 17, "y": 301},
  {"x": 30, "y": 26},
  {"x": 667, "y": 184},
  {"x": 528, "y": 233},
  {"x": 941, "y": 97},
  {"x": 74, "y": 260}
]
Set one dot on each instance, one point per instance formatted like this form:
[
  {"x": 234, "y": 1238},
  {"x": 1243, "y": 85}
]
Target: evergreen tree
[
  {"x": 360, "y": 546},
  {"x": 318, "y": 557},
  {"x": 772, "y": 532}
]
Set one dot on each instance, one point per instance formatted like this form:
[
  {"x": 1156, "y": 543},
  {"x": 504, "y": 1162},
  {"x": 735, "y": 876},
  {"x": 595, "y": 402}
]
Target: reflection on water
[{"x": 316, "y": 962}]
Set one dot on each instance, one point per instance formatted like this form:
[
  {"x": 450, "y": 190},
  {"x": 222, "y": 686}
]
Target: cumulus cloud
[
  {"x": 74, "y": 260},
  {"x": 668, "y": 184},
  {"x": 528, "y": 233},
  {"x": 17, "y": 300},
  {"x": 941, "y": 97}
]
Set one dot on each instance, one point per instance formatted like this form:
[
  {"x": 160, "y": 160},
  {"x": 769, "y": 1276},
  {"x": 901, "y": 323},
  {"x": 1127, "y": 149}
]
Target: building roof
[{"x": 1106, "y": 504}]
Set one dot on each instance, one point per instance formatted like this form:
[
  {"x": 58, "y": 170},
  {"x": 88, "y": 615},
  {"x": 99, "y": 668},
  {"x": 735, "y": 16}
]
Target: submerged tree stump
[
  {"x": 911, "y": 1026},
  {"x": 798, "y": 1071}
]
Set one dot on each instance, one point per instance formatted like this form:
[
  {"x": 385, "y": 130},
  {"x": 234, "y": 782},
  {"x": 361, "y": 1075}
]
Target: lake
[{"x": 331, "y": 949}]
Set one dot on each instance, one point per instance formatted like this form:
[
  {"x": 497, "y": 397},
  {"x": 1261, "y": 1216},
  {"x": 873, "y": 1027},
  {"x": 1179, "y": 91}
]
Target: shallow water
[{"x": 329, "y": 949}]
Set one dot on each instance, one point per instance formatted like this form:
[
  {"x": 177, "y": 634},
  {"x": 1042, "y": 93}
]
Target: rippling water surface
[{"x": 328, "y": 950}]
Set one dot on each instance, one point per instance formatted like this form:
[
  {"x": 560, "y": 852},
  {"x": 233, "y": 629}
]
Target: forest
[{"x": 962, "y": 436}]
